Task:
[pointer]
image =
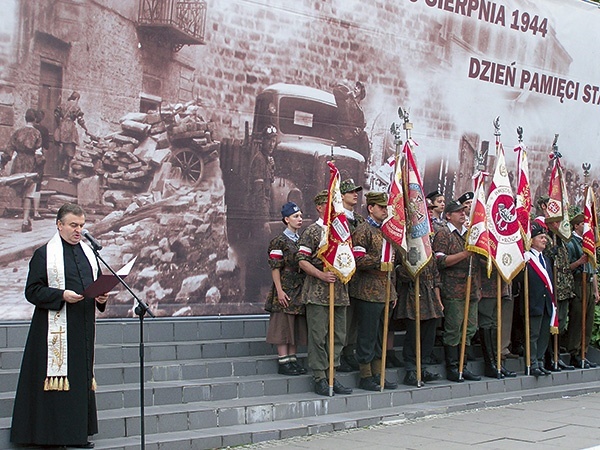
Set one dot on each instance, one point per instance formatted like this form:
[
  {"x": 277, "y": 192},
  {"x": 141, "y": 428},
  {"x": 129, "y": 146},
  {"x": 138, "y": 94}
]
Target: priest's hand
[
  {"x": 102, "y": 298},
  {"x": 71, "y": 296}
]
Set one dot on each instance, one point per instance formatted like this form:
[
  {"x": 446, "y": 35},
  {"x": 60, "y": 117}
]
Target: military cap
[
  {"x": 376, "y": 198},
  {"x": 349, "y": 186},
  {"x": 321, "y": 197},
  {"x": 537, "y": 228},
  {"x": 288, "y": 209},
  {"x": 433, "y": 195},
  {"x": 466, "y": 197},
  {"x": 454, "y": 206}
]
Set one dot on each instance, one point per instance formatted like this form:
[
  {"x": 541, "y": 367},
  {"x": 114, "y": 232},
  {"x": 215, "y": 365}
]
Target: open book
[{"x": 105, "y": 282}]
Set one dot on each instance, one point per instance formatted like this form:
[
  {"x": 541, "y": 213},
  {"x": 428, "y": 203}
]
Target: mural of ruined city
[{"x": 154, "y": 115}]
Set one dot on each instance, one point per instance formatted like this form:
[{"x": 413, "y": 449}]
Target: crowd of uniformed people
[{"x": 298, "y": 301}]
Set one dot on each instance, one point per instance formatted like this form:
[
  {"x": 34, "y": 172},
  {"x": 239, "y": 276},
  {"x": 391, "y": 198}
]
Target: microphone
[{"x": 95, "y": 244}]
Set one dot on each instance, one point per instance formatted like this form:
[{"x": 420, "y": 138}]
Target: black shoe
[
  {"x": 507, "y": 373},
  {"x": 344, "y": 366},
  {"x": 368, "y": 384},
  {"x": 590, "y": 363},
  {"x": 470, "y": 376},
  {"x": 88, "y": 444},
  {"x": 287, "y": 369},
  {"x": 386, "y": 384},
  {"x": 301, "y": 370},
  {"x": 545, "y": 371},
  {"x": 410, "y": 378},
  {"x": 537, "y": 372},
  {"x": 339, "y": 388},
  {"x": 428, "y": 376},
  {"x": 26, "y": 227},
  {"x": 452, "y": 375},
  {"x": 564, "y": 366},
  {"x": 322, "y": 387},
  {"x": 491, "y": 371},
  {"x": 578, "y": 364}
]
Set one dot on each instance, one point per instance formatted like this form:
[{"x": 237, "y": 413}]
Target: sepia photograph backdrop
[{"x": 176, "y": 100}]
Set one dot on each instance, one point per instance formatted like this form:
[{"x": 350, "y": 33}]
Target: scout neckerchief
[{"x": 56, "y": 367}]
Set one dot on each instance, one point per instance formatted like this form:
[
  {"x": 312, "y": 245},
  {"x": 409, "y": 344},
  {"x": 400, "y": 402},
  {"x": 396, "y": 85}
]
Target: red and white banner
[
  {"x": 394, "y": 226},
  {"x": 557, "y": 218},
  {"x": 418, "y": 225},
  {"x": 335, "y": 249},
  {"x": 478, "y": 238},
  {"x": 506, "y": 243},
  {"x": 523, "y": 194},
  {"x": 590, "y": 226}
]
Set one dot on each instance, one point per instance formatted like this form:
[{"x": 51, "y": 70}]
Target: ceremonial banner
[
  {"x": 506, "y": 244},
  {"x": 478, "y": 239},
  {"x": 523, "y": 194},
  {"x": 394, "y": 226},
  {"x": 335, "y": 249},
  {"x": 418, "y": 242},
  {"x": 590, "y": 227},
  {"x": 557, "y": 217}
]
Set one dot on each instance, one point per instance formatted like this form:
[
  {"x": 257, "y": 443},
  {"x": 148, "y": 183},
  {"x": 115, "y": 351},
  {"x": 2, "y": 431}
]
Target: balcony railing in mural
[{"x": 172, "y": 23}]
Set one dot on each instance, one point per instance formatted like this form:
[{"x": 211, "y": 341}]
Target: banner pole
[
  {"x": 331, "y": 336},
  {"x": 463, "y": 343},
  {"x": 386, "y": 313}
]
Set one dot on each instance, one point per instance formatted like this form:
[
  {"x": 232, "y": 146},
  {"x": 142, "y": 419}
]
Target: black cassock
[{"x": 57, "y": 417}]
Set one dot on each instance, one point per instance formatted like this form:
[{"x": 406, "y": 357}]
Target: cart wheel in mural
[{"x": 191, "y": 165}]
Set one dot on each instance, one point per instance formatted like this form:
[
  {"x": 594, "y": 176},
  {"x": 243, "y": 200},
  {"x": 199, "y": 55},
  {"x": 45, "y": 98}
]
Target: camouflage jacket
[
  {"x": 282, "y": 256},
  {"x": 315, "y": 291},
  {"x": 429, "y": 305},
  {"x": 563, "y": 279},
  {"x": 353, "y": 224},
  {"x": 369, "y": 282},
  {"x": 489, "y": 286},
  {"x": 454, "y": 278}
]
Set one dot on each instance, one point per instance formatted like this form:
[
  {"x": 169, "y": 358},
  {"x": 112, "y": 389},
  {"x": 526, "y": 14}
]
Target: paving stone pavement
[{"x": 570, "y": 423}]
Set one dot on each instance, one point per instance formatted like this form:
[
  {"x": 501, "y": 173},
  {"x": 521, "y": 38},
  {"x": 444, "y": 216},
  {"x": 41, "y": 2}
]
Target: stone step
[
  {"x": 160, "y": 330},
  {"x": 210, "y": 424}
]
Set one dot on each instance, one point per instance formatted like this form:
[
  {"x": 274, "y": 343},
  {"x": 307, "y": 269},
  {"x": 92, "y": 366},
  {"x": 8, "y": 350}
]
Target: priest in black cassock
[{"x": 55, "y": 403}]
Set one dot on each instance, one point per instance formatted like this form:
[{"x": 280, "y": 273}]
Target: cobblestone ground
[{"x": 12, "y": 284}]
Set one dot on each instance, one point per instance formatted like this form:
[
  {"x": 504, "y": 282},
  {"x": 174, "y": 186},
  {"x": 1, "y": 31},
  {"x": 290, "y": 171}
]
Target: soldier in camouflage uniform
[
  {"x": 453, "y": 262},
  {"x": 579, "y": 264},
  {"x": 430, "y": 310},
  {"x": 368, "y": 291},
  {"x": 287, "y": 323},
  {"x": 349, "y": 193},
  {"x": 315, "y": 295}
]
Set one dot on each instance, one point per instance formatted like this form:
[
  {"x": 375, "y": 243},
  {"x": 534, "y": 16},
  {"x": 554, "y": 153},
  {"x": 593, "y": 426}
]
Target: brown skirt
[{"x": 287, "y": 329}]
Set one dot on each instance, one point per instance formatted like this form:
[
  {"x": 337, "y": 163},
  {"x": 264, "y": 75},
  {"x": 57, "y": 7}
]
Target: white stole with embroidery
[{"x": 56, "y": 368}]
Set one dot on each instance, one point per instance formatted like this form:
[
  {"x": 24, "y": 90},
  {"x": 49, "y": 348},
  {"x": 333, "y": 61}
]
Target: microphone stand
[{"x": 140, "y": 310}]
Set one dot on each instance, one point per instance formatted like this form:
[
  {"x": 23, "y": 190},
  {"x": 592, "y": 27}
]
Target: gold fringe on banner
[
  {"x": 553, "y": 330},
  {"x": 94, "y": 385},
  {"x": 387, "y": 266}
]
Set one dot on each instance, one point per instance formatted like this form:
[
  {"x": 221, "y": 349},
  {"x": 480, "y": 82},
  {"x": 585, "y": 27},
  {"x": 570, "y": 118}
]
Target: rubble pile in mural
[
  {"x": 145, "y": 142},
  {"x": 175, "y": 225}
]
